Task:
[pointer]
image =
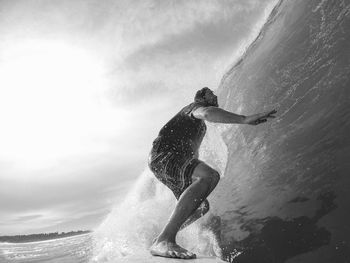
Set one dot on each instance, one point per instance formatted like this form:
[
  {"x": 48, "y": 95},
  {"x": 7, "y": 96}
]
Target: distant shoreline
[{"x": 40, "y": 237}]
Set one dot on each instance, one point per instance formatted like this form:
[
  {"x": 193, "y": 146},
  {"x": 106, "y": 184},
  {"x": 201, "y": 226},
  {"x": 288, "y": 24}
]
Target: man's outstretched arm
[{"x": 215, "y": 114}]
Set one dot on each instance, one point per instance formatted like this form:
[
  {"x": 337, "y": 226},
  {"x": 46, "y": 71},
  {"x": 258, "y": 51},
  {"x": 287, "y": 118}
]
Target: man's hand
[{"x": 260, "y": 118}]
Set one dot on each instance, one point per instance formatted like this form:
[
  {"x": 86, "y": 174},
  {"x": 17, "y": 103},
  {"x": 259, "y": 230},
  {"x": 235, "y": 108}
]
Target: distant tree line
[{"x": 40, "y": 237}]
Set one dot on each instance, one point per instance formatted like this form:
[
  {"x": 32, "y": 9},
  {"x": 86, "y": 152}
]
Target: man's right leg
[
  {"x": 204, "y": 181},
  {"x": 201, "y": 211}
]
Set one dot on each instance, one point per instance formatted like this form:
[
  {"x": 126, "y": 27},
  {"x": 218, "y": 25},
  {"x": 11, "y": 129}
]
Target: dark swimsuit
[{"x": 174, "y": 154}]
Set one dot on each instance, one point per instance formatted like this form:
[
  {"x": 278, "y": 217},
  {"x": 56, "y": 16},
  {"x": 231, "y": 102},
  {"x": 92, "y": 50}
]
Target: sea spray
[{"x": 132, "y": 224}]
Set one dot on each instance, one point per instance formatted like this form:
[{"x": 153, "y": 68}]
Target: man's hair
[{"x": 199, "y": 97}]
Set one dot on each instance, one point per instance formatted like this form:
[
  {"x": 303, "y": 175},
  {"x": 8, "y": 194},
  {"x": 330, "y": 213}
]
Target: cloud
[
  {"x": 26, "y": 218},
  {"x": 174, "y": 62},
  {"x": 50, "y": 207},
  {"x": 231, "y": 24},
  {"x": 164, "y": 45},
  {"x": 85, "y": 222},
  {"x": 41, "y": 192}
]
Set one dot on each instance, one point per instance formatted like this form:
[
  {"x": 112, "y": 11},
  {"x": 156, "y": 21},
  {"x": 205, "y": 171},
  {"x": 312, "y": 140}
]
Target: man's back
[{"x": 184, "y": 132}]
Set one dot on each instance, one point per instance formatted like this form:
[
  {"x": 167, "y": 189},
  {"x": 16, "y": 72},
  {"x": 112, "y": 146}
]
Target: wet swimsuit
[{"x": 174, "y": 154}]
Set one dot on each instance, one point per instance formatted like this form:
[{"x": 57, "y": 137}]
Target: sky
[{"x": 85, "y": 86}]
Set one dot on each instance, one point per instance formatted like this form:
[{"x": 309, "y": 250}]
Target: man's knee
[
  {"x": 207, "y": 175},
  {"x": 212, "y": 177}
]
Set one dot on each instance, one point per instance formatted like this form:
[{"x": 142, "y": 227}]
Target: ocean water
[{"x": 70, "y": 249}]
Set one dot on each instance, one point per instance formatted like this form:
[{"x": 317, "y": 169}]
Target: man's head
[{"x": 206, "y": 96}]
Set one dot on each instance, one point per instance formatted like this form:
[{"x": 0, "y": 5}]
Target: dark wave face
[{"x": 286, "y": 190}]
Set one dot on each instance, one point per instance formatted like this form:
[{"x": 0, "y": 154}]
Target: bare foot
[{"x": 170, "y": 250}]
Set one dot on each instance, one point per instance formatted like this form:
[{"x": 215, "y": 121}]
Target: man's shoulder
[
  {"x": 190, "y": 108},
  {"x": 195, "y": 105}
]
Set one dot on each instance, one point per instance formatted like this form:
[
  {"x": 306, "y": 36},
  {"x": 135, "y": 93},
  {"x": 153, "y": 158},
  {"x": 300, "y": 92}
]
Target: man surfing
[{"x": 174, "y": 161}]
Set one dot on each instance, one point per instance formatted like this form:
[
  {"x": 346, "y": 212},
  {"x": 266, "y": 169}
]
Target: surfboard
[{"x": 153, "y": 259}]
